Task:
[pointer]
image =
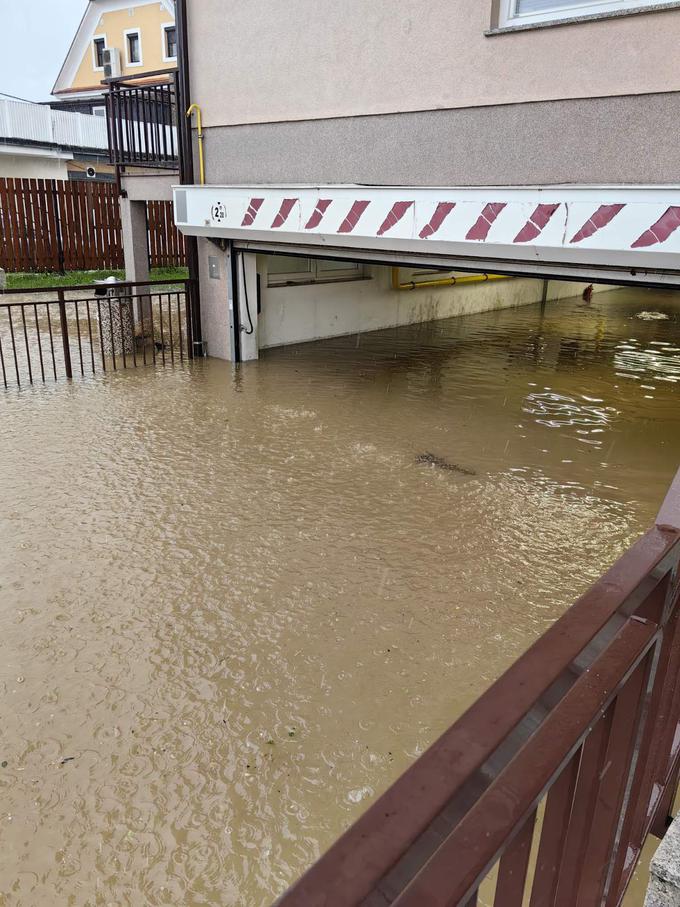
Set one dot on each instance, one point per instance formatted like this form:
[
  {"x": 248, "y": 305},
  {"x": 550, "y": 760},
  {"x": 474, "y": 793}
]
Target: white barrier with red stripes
[{"x": 624, "y": 227}]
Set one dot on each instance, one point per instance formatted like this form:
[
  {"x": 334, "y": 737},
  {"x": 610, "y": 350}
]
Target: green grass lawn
[{"x": 77, "y": 278}]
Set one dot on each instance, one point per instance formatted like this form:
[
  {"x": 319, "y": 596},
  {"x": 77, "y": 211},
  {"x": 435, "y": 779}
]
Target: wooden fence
[{"x": 52, "y": 225}]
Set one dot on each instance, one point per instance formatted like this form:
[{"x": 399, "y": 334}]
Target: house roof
[{"x": 86, "y": 31}]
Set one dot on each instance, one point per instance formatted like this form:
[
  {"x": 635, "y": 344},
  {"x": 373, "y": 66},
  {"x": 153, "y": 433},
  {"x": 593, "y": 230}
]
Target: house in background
[
  {"x": 39, "y": 143},
  {"x": 67, "y": 137},
  {"x": 114, "y": 38}
]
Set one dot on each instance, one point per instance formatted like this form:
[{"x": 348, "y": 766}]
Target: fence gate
[
  {"x": 65, "y": 332},
  {"x": 53, "y": 225}
]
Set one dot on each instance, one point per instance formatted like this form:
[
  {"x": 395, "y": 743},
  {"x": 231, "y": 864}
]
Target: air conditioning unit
[{"x": 111, "y": 57}]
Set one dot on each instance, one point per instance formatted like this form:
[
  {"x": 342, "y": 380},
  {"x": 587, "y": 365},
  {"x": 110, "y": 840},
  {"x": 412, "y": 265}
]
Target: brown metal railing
[
  {"x": 543, "y": 793},
  {"x": 142, "y": 120},
  {"x": 77, "y": 332}
]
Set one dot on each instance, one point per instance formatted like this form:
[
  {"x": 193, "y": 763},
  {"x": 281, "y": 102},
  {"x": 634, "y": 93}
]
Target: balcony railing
[
  {"x": 142, "y": 120},
  {"x": 39, "y": 125},
  {"x": 543, "y": 793}
]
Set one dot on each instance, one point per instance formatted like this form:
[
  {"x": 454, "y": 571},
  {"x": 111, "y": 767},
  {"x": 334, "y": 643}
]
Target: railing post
[
  {"x": 64, "y": 334},
  {"x": 189, "y": 314},
  {"x": 57, "y": 223}
]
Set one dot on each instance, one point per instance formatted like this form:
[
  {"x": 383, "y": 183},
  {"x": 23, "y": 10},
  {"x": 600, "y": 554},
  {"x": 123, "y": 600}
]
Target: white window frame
[
  {"x": 316, "y": 275},
  {"x": 94, "y": 51},
  {"x": 99, "y": 107},
  {"x": 126, "y": 33},
  {"x": 164, "y": 43},
  {"x": 510, "y": 17}
]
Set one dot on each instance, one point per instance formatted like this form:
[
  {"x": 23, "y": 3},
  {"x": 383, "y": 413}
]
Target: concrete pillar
[
  {"x": 247, "y": 297},
  {"x": 135, "y": 239},
  {"x": 136, "y": 250},
  {"x": 664, "y": 871},
  {"x": 214, "y": 266},
  {"x": 223, "y": 296}
]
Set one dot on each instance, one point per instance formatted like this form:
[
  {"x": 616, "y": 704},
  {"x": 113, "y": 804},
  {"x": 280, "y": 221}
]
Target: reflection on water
[
  {"x": 558, "y": 410},
  {"x": 234, "y": 606}
]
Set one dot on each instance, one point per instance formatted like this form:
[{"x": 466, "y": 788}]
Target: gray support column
[
  {"x": 136, "y": 250},
  {"x": 215, "y": 279},
  {"x": 135, "y": 239},
  {"x": 228, "y": 312},
  {"x": 664, "y": 872}
]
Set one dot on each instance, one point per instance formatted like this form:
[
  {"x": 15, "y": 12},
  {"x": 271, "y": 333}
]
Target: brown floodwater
[{"x": 234, "y": 607}]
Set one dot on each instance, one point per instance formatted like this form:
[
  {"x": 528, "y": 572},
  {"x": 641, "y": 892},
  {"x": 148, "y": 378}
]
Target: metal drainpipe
[
  {"x": 186, "y": 159},
  {"x": 443, "y": 281},
  {"x": 236, "y": 299}
]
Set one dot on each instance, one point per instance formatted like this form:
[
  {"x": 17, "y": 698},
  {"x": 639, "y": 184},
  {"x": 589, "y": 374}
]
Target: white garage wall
[{"x": 297, "y": 313}]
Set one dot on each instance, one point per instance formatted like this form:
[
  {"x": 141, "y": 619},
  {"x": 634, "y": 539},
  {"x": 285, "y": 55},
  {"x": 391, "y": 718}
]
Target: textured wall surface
[
  {"x": 265, "y": 60},
  {"x": 150, "y": 186},
  {"x": 600, "y": 140}
]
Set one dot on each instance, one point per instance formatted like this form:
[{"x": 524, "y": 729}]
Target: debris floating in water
[
  {"x": 356, "y": 796},
  {"x": 431, "y": 459},
  {"x": 652, "y": 316}
]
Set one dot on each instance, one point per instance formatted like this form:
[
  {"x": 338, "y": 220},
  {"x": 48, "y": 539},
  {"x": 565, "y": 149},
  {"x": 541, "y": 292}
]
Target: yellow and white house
[{"x": 142, "y": 36}]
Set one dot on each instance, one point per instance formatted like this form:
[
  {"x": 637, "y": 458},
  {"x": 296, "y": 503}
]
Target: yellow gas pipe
[
  {"x": 443, "y": 281},
  {"x": 199, "y": 123}
]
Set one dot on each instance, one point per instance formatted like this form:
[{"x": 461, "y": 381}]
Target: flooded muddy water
[{"x": 236, "y": 604}]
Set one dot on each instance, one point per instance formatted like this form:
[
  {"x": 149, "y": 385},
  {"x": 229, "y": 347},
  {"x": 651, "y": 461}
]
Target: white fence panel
[{"x": 38, "y": 123}]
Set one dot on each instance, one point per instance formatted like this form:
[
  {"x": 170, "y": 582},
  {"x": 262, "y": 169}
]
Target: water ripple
[{"x": 234, "y": 606}]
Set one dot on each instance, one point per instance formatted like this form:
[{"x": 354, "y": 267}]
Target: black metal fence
[
  {"x": 142, "y": 120},
  {"x": 78, "y": 331}
]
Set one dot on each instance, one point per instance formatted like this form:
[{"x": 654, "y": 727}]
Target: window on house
[
  {"x": 99, "y": 46},
  {"x": 527, "y": 12},
  {"x": 134, "y": 48},
  {"x": 285, "y": 269},
  {"x": 99, "y": 111},
  {"x": 170, "y": 42}
]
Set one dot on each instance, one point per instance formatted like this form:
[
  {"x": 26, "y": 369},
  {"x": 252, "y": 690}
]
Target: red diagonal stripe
[
  {"x": 660, "y": 231},
  {"x": 480, "y": 229},
  {"x": 534, "y": 226},
  {"x": 603, "y": 215},
  {"x": 318, "y": 213},
  {"x": 441, "y": 212},
  {"x": 399, "y": 209},
  {"x": 284, "y": 211},
  {"x": 352, "y": 219},
  {"x": 253, "y": 208}
]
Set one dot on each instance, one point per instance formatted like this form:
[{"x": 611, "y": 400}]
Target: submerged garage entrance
[{"x": 606, "y": 235}]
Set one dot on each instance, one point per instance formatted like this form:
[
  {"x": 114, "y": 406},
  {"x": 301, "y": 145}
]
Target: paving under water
[{"x": 236, "y": 604}]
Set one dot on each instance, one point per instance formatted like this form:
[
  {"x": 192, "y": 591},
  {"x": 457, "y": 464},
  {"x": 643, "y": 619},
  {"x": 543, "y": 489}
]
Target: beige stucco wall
[
  {"x": 113, "y": 25},
  {"x": 266, "y": 60},
  {"x": 25, "y": 166}
]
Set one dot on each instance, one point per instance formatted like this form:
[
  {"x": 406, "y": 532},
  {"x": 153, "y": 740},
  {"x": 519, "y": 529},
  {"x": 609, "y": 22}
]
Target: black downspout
[
  {"x": 186, "y": 162},
  {"x": 236, "y": 314}
]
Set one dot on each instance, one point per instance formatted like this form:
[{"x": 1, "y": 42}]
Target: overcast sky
[{"x": 34, "y": 38}]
